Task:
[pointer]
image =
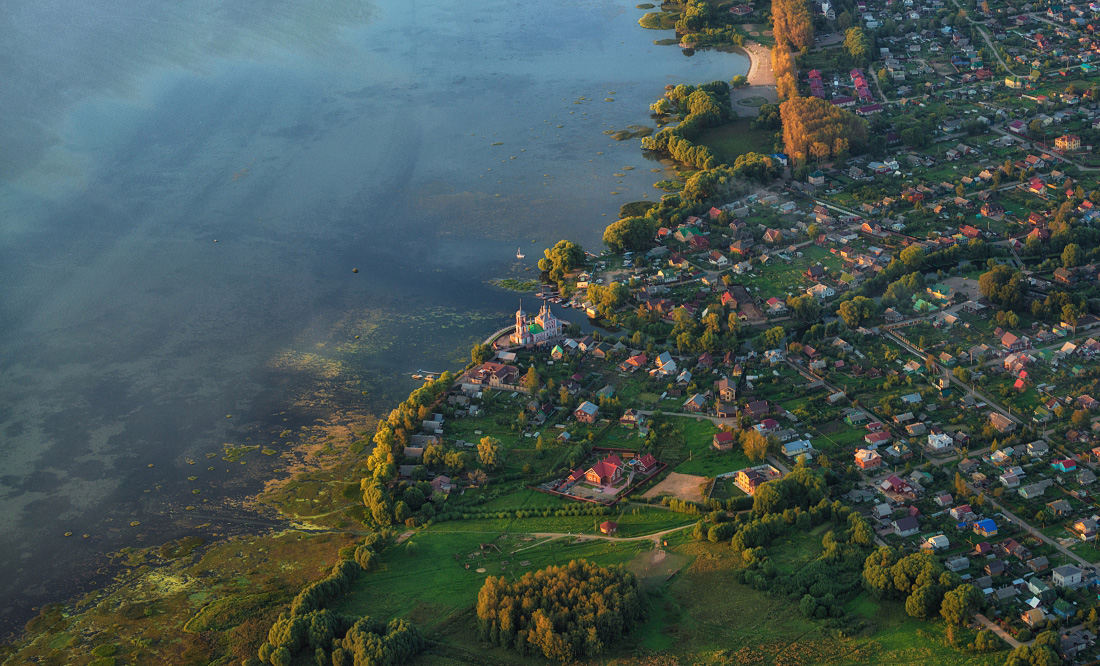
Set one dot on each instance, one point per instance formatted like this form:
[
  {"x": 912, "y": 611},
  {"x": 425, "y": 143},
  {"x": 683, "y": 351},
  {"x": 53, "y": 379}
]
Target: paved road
[
  {"x": 1005, "y": 636},
  {"x": 776, "y": 463},
  {"x": 1054, "y": 154},
  {"x": 1011, "y": 517},
  {"x": 952, "y": 378},
  {"x": 985, "y": 36},
  {"x": 492, "y": 338}
]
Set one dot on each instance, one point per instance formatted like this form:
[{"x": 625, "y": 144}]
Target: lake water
[{"x": 306, "y": 139}]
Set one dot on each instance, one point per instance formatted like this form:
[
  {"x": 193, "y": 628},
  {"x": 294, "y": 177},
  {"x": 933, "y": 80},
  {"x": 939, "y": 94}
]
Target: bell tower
[{"x": 521, "y": 324}]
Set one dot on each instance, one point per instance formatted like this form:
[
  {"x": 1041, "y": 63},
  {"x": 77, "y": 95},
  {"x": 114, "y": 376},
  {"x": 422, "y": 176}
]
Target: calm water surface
[{"x": 306, "y": 139}]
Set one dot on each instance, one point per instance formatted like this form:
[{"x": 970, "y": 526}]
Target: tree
[
  {"x": 566, "y": 613},
  {"x": 1004, "y": 286},
  {"x": 773, "y": 337},
  {"x": 806, "y": 307},
  {"x": 912, "y": 256},
  {"x": 808, "y": 120},
  {"x": 630, "y": 233},
  {"x": 923, "y": 601},
  {"x": 960, "y": 603},
  {"x": 856, "y": 310},
  {"x": 1071, "y": 255},
  {"x": 1079, "y": 419},
  {"x": 755, "y": 444},
  {"x": 455, "y": 461},
  {"x": 531, "y": 380},
  {"x": 856, "y": 43},
  {"x": 480, "y": 354},
  {"x": 489, "y": 452},
  {"x": 1034, "y": 655},
  {"x": 560, "y": 259}
]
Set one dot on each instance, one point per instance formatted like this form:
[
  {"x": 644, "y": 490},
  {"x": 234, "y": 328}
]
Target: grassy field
[
  {"x": 736, "y": 138},
  {"x": 621, "y": 437},
  {"x": 697, "y": 609},
  {"x": 693, "y": 453},
  {"x": 437, "y": 558},
  {"x": 711, "y": 462},
  {"x": 432, "y": 584}
]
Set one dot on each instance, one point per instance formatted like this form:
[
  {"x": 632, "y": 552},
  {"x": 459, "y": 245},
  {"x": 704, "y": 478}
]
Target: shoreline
[
  {"x": 760, "y": 67},
  {"x": 761, "y": 81}
]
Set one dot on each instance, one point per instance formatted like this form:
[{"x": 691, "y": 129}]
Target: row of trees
[
  {"x": 786, "y": 71},
  {"x": 562, "y": 612},
  {"x": 335, "y": 638},
  {"x": 392, "y": 435},
  {"x": 814, "y": 128},
  {"x": 792, "y": 23}
]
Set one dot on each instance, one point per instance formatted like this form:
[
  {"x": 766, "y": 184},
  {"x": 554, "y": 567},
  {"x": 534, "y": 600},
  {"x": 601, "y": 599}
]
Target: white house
[
  {"x": 941, "y": 442},
  {"x": 938, "y": 542},
  {"x": 821, "y": 291},
  {"x": 1067, "y": 575}
]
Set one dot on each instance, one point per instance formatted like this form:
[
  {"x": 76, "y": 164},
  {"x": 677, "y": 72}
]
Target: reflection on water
[{"x": 187, "y": 187}]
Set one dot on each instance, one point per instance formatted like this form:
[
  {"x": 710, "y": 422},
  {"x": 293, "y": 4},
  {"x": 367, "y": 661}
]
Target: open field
[{"x": 683, "y": 486}]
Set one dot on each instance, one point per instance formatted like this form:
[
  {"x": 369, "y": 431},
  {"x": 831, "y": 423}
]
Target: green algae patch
[
  {"x": 235, "y": 453},
  {"x": 513, "y": 284},
  {"x": 181, "y": 547},
  {"x": 631, "y": 132}
]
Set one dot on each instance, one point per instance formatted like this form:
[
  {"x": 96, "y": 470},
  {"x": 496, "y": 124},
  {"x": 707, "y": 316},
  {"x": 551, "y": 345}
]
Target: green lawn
[
  {"x": 712, "y": 462},
  {"x": 736, "y": 138},
  {"x": 621, "y": 437}
]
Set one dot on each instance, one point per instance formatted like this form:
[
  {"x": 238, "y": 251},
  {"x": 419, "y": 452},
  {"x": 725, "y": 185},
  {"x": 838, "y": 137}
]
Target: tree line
[
  {"x": 335, "y": 638},
  {"x": 792, "y": 24}
]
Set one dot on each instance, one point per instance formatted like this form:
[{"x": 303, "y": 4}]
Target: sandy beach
[
  {"x": 760, "y": 68},
  {"x": 761, "y": 81}
]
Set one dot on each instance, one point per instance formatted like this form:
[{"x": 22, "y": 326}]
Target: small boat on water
[
  {"x": 519, "y": 253},
  {"x": 418, "y": 376}
]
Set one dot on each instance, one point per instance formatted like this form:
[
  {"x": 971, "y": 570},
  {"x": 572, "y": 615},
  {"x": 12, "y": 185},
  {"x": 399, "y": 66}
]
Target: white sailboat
[{"x": 519, "y": 253}]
